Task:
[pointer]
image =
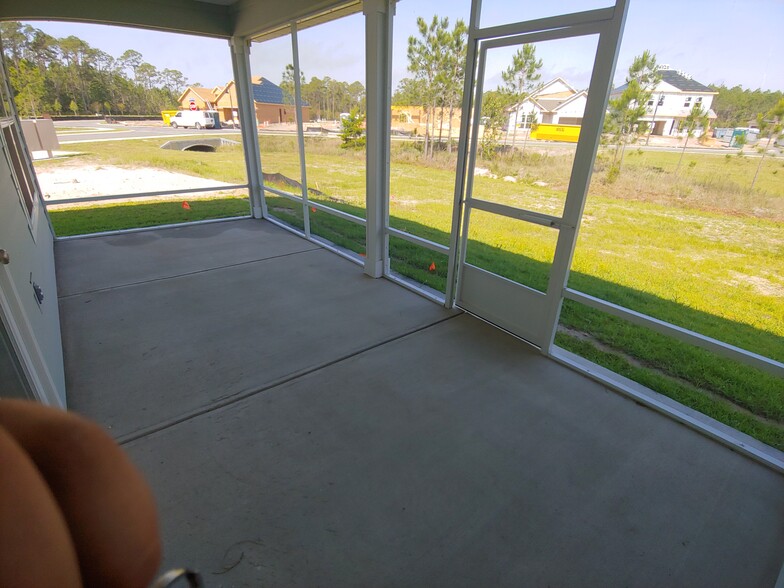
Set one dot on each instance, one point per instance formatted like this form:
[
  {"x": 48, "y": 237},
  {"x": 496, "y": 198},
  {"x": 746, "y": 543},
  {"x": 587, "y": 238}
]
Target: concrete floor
[{"x": 304, "y": 425}]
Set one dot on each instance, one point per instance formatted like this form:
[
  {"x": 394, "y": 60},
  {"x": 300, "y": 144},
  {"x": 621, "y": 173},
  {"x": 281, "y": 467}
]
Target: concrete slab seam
[
  {"x": 185, "y": 274},
  {"x": 136, "y": 435}
]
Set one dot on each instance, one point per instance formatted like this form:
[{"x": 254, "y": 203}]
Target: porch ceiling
[
  {"x": 214, "y": 18},
  {"x": 302, "y": 424}
]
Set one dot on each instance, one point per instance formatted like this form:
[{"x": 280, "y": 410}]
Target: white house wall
[
  {"x": 575, "y": 109},
  {"x": 526, "y": 109},
  {"x": 35, "y": 329},
  {"x": 556, "y": 86},
  {"x": 673, "y": 107},
  {"x": 673, "y": 104}
]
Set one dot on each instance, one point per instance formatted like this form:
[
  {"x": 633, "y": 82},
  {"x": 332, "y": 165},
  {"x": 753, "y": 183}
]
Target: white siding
[
  {"x": 525, "y": 109},
  {"x": 575, "y": 109},
  {"x": 35, "y": 329}
]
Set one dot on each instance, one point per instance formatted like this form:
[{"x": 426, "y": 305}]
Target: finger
[
  {"x": 107, "y": 505},
  {"x": 36, "y": 550}
]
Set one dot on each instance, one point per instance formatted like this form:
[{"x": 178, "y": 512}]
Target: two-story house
[{"x": 672, "y": 100}]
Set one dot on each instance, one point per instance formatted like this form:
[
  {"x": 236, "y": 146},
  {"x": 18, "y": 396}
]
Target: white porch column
[
  {"x": 240, "y": 62},
  {"x": 378, "y": 63}
]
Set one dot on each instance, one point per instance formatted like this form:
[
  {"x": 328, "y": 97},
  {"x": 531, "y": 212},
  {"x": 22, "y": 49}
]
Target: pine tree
[
  {"x": 522, "y": 78},
  {"x": 624, "y": 118},
  {"x": 425, "y": 60},
  {"x": 769, "y": 125},
  {"x": 352, "y": 133},
  {"x": 697, "y": 119}
]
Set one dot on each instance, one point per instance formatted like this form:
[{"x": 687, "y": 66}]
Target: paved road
[
  {"x": 84, "y": 131},
  {"x": 81, "y": 131}
]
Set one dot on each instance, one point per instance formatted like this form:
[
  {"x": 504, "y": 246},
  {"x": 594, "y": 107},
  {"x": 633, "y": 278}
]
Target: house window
[
  {"x": 14, "y": 150},
  {"x": 661, "y": 100},
  {"x": 687, "y": 104},
  {"x": 650, "y": 102},
  {"x": 526, "y": 121},
  {"x": 699, "y": 99}
]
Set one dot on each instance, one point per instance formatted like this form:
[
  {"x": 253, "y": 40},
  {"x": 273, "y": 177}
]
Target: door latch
[{"x": 39, "y": 293}]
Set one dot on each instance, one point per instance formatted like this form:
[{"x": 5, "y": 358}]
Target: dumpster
[
  {"x": 166, "y": 116},
  {"x": 548, "y": 132}
]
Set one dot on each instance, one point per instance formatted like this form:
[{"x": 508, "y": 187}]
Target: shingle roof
[
  {"x": 673, "y": 78},
  {"x": 684, "y": 84},
  {"x": 269, "y": 93},
  {"x": 203, "y": 93}
]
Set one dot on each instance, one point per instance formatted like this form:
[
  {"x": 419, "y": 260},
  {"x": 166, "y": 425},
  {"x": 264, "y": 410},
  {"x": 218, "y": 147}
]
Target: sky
[{"x": 716, "y": 41}]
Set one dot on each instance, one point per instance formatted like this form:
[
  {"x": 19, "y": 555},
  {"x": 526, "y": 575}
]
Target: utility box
[{"x": 40, "y": 135}]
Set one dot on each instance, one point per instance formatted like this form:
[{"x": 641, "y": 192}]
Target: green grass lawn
[
  {"x": 699, "y": 249},
  {"x": 81, "y": 220},
  {"x": 741, "y": 396}
]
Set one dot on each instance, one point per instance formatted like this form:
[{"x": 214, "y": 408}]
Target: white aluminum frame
[
  {"x": 379, "y": 17},
  {"x": 466, "y": 130},
  {"x": 303, "y": 172},
  {"x": 607, "y": 24},
  {"x": 724, "y": 434},
  {"x": 145, "y": 194},
  {"x": 685, "y": 335},
  {"x": 318, "y": 206},
  {"x": 427, "y": 244},
  {"x": 240, "y": 62},
  {"x": 206, "y": 221}
]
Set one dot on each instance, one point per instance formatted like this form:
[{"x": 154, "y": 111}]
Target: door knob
[{"x": 5, "y": 259}]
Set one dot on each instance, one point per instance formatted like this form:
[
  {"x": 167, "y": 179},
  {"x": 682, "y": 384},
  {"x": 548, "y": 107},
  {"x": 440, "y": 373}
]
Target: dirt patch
[
  {"x": 284, "y": 181},
  {"x": 80, "y": 180},
  {"x": 760, "y": 284}
]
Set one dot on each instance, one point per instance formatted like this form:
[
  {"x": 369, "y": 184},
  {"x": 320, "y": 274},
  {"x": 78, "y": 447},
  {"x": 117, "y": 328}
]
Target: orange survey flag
[
  {"x": 432, "y": 267},
  {"x": 185, "y": 205}
]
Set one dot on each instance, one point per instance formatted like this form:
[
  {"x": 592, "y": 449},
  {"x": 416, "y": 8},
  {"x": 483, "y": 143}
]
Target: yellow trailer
[{"x": 568, "y": 133}]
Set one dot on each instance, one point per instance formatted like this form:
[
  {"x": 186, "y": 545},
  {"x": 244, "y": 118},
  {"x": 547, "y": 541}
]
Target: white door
[
  {"x": 28, "y": 291},
  {"x": 517, "y": 241}
]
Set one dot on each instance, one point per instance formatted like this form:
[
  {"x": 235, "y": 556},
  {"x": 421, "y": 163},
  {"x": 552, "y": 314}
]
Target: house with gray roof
[
  {"x": 672, "y": 100},
  {"x": 555, "y": 102}
]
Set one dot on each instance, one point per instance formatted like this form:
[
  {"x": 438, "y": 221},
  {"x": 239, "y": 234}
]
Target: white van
[{"x": 194, "y": 118}]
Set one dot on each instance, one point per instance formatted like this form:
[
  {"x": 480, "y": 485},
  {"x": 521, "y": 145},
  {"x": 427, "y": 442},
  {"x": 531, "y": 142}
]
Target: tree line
[
  {"x": 436, "y": 60},
  {"x": 326, "y": 97},
  {"x": 737, "y": 107},
  {"x": 67, "y": 76}
]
